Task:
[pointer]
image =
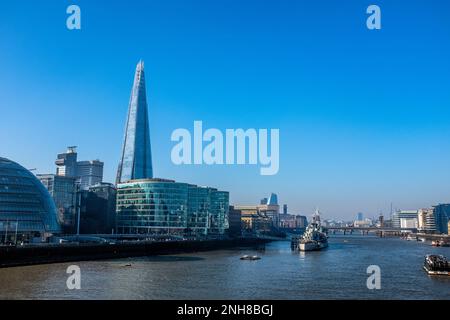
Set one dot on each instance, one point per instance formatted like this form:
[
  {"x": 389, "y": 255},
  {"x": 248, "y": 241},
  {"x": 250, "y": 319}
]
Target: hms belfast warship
[{"x": 314, "y": 237}]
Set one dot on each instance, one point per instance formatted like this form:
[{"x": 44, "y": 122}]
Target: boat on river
[
  {"x": 436, "y": 265},
  {"x": 247, "y": 257},
  {"x": 314, "y": 237}
]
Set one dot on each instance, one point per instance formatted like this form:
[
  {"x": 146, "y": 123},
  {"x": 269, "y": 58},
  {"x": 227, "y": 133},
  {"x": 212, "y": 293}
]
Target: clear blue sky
[{"x": 364, "y": 116}]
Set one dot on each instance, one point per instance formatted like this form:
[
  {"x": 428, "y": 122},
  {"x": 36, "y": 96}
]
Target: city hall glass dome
[{"x": 26, "y": 207}]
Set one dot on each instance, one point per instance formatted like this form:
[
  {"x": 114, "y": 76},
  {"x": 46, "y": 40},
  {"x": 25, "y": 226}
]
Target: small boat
[
  {"x": 421, "y": 239},
  {"x": 127, "y": 265},
  {"x": 247, "y": 257},
  {"x": 440, "y": 243},
  {"x": 436, "y": 265},
  {"x": 410, "y": 237}
]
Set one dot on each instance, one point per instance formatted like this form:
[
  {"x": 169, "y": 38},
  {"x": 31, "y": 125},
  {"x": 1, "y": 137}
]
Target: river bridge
[{"x": 381, "y": 231}]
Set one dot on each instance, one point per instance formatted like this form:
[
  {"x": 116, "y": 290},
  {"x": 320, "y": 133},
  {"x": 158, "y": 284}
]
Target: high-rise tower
[{"x": 136, "y": 158}]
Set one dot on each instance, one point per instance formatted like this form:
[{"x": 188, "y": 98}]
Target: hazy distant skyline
[{"x": 363, "y": 115}]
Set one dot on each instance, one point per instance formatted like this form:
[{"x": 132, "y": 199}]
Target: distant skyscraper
[
  {"x": 66, "y": 163},
  {"x": 273, "y": 199},
  {"x": 136, "y": 158},
  {"x": 360, "y": 216},
  {"x": 86, "y": 173},
  {"x": 89, "y": 173}
]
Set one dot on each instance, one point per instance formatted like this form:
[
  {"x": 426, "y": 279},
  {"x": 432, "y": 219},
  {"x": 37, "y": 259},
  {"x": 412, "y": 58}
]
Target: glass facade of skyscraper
[
  {"x": 136, "y": 158},
  {"x": 219, "y": 211},
  {"x": 168, "y": 207},
  {"x": 441, "y": 217},
  {"x": 64, "y": 193}
]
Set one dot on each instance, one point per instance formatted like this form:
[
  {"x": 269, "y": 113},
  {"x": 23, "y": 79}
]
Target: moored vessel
[{"x": 314, "y": 237}]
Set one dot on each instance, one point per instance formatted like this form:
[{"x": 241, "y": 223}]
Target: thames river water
[{"x": 338, "y": 272}]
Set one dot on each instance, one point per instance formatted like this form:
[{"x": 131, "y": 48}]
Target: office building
[
  {"x": 360, "y": 216},
  {"x": 136, "y": 158},
  {"x": 441, "y": 217},
  {"x": 63, "y": 190},
  {"x": 363, "y": 223},
  {"x": 66, "y": 163},
  {"x": 235, "y": 223},
  {"x": 161, "y": 206},
  {"x": 426, "y": 222},
  {"x": 89, "y": 173},
  {"x": 86, "y": 173},
  {"x": 273, "y": 200},
  {"x": 98, "y": 209},
  {"x": 407, "y": 219},
  {"x": 26, "y": 208},
  {"x": 254, "y": 220},
  {"x": 293, "y": 222}
]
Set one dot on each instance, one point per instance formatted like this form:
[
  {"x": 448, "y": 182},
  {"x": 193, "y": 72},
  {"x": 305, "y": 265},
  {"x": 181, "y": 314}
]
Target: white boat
[{"x": 247, "y": 257}]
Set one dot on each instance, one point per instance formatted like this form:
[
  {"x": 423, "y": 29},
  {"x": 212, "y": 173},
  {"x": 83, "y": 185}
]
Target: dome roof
[{"x": 25, "y": 204}]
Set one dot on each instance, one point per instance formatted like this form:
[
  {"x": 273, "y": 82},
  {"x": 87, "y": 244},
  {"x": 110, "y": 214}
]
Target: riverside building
[
  {"x": 86, "y": 173},
  {"x": 161, "y": 206},
  {"x": 146, "y": 205},
  {"x": 26, "y": 209}
]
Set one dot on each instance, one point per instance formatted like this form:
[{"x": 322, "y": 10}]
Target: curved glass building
[{"x": 26, "y": 208}]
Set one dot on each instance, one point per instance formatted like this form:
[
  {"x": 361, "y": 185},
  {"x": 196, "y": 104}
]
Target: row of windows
[
  {"x": 21, "y": 226},
  {"x": 18, "y": 198},
  {"x": 14, "y": 173},
  {"x": 15, "y": 181},
  {"x": 19, "y": 207},
  {"x": 150, "y": 225},
  {"x": 17, "y": 188}
]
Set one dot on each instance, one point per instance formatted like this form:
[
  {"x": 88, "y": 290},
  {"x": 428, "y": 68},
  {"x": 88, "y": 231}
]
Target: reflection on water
[{"x": 338, "y": 272}]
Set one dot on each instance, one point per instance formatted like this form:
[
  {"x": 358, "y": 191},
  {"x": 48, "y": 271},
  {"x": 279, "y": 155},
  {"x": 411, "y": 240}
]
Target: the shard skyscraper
[{"x": 136, "y": 157}]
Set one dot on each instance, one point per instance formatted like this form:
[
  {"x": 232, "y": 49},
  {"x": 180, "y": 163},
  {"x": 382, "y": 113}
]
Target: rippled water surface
[{"x": 338, "y": 272}]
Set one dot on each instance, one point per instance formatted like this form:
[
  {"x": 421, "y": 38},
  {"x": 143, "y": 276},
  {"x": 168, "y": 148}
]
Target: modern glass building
[
  {"x": 441, "y": 217},
  {"x": 136, "y": 158},
  {"x": 63, "y": 190},
  {"x": 89, "y": 173},
  {"x": 405, "y": 219},
  {"x": 26, "y": 208},
  {"x": 98, "y": 209},
  {"x": 168, "y": 207}
]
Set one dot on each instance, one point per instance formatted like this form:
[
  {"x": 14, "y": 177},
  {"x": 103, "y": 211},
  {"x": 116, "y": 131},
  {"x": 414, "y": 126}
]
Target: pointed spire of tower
[{"x": 136, "y": 157}]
